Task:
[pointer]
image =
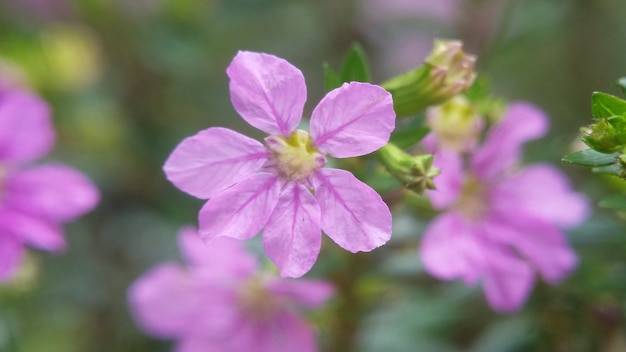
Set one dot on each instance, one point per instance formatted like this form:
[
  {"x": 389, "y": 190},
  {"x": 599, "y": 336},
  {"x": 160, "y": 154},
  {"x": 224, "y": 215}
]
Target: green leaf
[
  {"x": 355, "y": 66},
  {"x": 591, "y": 158},
  {"x": 407, "y": 137},
  {"x": 621, "y": 83},
  {"x": 331, "y": 78},
  {"x": 605, "y": 105},
  {"x": 613, "y": 169},
  {"x": 615, "y": 201}
]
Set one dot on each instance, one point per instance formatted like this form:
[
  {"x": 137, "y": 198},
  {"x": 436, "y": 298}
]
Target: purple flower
[
  {"x": 501, "y": 224},
  {"x": 34, "y": 200},
  {"x": 281, "y": 186},
  {"x": 219, "y": 302}
]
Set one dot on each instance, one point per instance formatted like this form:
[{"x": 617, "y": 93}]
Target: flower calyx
[
  {"x": 446, "y": 72},
  {"x": 415, "y": 172}
]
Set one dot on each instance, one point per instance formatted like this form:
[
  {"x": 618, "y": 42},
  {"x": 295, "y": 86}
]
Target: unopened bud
[
  {"x": 607, "y": 135},
  {"x": 446, "y": 72},
  {"x": 415, "y": 172}
]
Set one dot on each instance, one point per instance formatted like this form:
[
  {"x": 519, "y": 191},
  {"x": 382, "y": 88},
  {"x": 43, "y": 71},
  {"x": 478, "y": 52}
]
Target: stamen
[{"x": 293, "y": 158}]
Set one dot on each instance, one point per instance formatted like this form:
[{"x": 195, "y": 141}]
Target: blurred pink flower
[
  {"x": 403, "y": 30},
  {"x": 218, "y": 301},
  {"x": 393, "y": 10},
  {"x": 501, "y": 224},
  {"x": 282, "y": 186},
  {"x": 46, "y": 10},
  {"x": 34, "y": 200}
]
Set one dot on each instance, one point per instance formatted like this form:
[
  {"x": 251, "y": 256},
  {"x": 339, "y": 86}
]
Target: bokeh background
[{"x": 129, "y": 79}]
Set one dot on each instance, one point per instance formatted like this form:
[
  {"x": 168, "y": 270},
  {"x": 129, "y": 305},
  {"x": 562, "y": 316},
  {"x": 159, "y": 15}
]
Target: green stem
[{"x": 350, "y": 310}]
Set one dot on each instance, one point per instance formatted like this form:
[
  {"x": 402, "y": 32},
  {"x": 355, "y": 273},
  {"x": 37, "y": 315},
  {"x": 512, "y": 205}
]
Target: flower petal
[
  {"x": 451, "y": 250},
  {"x": 34, "y": 230},
  {"x": 307, "y": 293},
  {"x": 53, "y": 191},
  {"x": 293, "y": 237},
  {"x": 267, "y": 91},
  {"x": 241, "y": 211},
  {"x": 540, "y": 243},
  {"x": 26, "y": 131},
  {"x": 353, "y": 214},
  {"x": 285, "y": 332},
  {"x": 507, "y": 282},
  {"x": 223, "y": 256},
  {"x": 197, "y": 343},
  {"x": 212, "y": 160},
  {"x": 544, "y": 192},
  {"x": 449, "y": 183},
  {"x": 354, "y": 119},
  {"x": 521, "y": 123},
  {"x": 11, "y": 254},
  {"x": 165, "y": 301}
]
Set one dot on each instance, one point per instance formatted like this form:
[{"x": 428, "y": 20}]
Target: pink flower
[
  {"x": 281, "y": 186},
  {"x": 501, "y": 224},
  {"x": 34, "y": 200},
  {"x": 219, "y": 303}
]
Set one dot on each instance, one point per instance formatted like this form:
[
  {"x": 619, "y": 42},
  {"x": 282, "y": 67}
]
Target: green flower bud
[
  {"x": 456, "y": 124},
  {"x": 415, "y": 172},
  {"x": 607, "y": 135},
  {"x": 446, "y": 72}
]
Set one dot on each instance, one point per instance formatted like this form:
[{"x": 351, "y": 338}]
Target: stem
[{"x": 351, "y": 308}]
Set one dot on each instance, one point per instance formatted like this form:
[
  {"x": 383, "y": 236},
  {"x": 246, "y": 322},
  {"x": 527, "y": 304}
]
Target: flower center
[
  {"x": 256, "y": 301},
  {"x": 293, "y": 158},
  {"x": 472, "y": 202},
  {"x": 4, "y": 172}
]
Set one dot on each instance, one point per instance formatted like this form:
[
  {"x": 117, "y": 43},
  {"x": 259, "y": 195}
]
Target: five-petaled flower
[
  {"x": 219, "y": 302},
  {"x": 501, "y": 224},
  {"x": 34, "y": 200},
  {"x": 281, "y": 186}
]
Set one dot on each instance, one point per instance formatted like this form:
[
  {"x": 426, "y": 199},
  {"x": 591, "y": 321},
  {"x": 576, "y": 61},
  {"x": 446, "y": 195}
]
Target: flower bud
[
  {"x": 455, "y": 124},
  {"x": 415, "y": 172},
  {"x": 446, "y": 72},
  {"x": 607, "y": 135}
]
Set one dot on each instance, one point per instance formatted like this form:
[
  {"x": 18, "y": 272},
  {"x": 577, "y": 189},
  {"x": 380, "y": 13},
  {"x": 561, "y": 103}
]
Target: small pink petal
[
  {"x": 293, "y": 237},
  {"x": 306, "y": 293},
  {"x": 11, "y": 254},
  {"x": 241, "y": 211},
  {"x": 521, "y": 123},
  {"x": 223, "y": 256},
  {"x": 450, "y": 249},
  {"x": 352, "y": 120},
  {"x": 507, "y": 282},
  {"x": 53, "y": 191},
  {"x": 26, "y": 131},
  {"x": 212, "y": 160},
  {"x": 165, "y": 301},
  {"x": 543, "y": 191},
  {"x": 33, "y": 230},
  {"x": 353, "y": 214},
  {"x": 267, "y": 91}
]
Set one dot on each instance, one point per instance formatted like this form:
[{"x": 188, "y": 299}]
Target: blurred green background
[{"x": 129, "y": 79}]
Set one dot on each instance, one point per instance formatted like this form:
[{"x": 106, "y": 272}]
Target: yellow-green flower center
[
  {"x": 294, "y": 158},
  {"x": 455, "y": 123},
  {"x": 472, "y": 202},
  {"x": 4, "y": 172},
  {"x": 256, "y": 301}
]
